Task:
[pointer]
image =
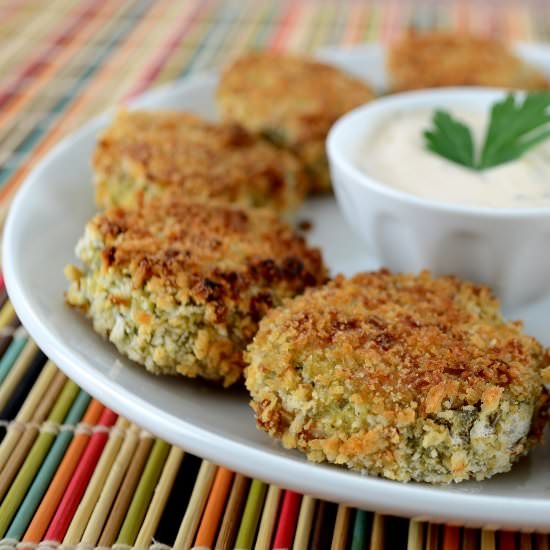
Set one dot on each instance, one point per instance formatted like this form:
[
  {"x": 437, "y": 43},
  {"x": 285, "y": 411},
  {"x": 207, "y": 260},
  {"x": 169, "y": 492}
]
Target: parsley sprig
[{"x": 515, "y": 126}]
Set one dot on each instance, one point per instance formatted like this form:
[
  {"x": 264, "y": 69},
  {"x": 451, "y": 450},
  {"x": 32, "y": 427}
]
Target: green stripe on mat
[
  {"x": 360, "y": 530},
  {"x": 251, "y": 515},
  {"x": 12, "y": 353},
  {"x": 144, "y": 493}
]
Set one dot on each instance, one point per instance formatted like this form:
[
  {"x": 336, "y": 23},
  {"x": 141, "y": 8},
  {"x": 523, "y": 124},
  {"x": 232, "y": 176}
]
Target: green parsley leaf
[
  {"x": 515, "y": 126},
  {"x": 451, "y": 139}
]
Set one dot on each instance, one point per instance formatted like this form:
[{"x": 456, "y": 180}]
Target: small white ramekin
[{"x": 506, "y": 248}]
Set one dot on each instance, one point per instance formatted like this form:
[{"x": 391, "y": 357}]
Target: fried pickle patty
[
  {"x": 406, "y": 377},
  {"x": 291, "y": 100},
  {"x": 451, "y": 59},
  {"x": 180, "y": 286},
  {"x": 143, "y": 153}
]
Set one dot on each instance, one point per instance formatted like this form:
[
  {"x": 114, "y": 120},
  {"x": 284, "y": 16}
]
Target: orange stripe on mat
[{"x": 214, "y": 508}]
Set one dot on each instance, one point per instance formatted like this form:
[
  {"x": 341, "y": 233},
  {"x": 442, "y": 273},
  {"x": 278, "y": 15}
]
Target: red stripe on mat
[
  {"x": 75, "y": 490},
  {"x": 287, "y": 521},
  {"x": 278, "y": 39}
]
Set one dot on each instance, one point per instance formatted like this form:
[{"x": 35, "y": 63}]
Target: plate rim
[{"x": 420, "y": 501}]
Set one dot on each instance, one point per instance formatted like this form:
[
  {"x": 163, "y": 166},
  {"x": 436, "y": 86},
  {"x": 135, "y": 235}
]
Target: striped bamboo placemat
[
  {"x": 71, "y": 470},
  {"x": 74, "y": 473}
]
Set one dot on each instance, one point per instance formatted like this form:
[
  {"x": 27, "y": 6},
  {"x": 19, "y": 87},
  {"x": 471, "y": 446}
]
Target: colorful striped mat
[
  {"x": 71, "y": 470},
  {"x": 74, "y": 472}
]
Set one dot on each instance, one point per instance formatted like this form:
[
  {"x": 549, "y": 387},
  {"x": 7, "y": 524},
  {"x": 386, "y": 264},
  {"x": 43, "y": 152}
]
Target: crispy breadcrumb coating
[
  {"x": 144, "y": 153},
  {"x": 442, "y": 58},
  {"x": 180, "y": 286},
  {"x": 406, "y": 377},
  {"x": 291, "y": 100}
]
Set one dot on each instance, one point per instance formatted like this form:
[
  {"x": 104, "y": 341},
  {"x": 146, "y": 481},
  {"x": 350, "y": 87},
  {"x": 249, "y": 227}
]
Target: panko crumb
[{"x": 402, "y": 376}]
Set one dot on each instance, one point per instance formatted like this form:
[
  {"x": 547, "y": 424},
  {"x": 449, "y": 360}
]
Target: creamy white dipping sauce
[{"x": 396, "y": 156}]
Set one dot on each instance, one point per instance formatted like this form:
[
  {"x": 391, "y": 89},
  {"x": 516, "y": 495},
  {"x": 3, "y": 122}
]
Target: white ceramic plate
[{"x": 47, "y": 218}]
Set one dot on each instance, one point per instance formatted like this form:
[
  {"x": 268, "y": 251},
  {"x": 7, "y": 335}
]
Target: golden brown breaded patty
[
  {"x": 180, "y": 286},
  {"x": 451, "y": 59},
  {"x": 406, "y": 377},
  {"x": 291, "y": 100},
  {"x": 143, "y": 153}
]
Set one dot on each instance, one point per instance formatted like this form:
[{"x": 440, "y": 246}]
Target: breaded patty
[
  {"x": 451, "y": 59},
  {"x": 143, "y": 153},
  {"x": 180, "y": 286},
  {"x": 291, "y": 100},
  {"x": 406, "y": 377}
]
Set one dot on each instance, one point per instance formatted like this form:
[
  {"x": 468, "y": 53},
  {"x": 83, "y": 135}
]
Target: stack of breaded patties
[
  {"x": 145, "y": 153},
  {"x": 426, "y": 60},
  {"x": 293, "y": 101},
  {"x": 406, "y": 377},
  {"x": 180, "y": 286},
  {"x": 181, "y": 267}
]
